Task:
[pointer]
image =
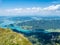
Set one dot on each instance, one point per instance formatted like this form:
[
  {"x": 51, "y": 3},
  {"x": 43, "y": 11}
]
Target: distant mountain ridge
[{"x": 36, "y": 22}]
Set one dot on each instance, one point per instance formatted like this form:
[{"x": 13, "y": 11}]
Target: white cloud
[
  {"x": 50, "y": 10},
  {"x": 53, "y": 7}
]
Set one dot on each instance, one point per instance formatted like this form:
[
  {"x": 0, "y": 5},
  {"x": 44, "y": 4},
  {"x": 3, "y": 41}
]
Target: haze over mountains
[
  {"x": 39, "y": 30},
  {"x": 34, "y": 21}
]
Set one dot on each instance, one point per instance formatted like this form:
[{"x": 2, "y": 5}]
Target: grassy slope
[{"x": 8, "y": 37}]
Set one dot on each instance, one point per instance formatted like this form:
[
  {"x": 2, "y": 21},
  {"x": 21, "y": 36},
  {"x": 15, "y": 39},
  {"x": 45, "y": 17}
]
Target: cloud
[
  {"x": 50, "y": 10},
  {"x": 53, "y": 7}
]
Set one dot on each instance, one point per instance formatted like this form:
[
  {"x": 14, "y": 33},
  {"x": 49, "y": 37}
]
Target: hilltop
[{"x": 8, "y": 37}]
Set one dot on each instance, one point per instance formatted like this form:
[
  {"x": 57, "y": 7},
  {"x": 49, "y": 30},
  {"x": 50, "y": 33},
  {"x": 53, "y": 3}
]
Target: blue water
[{"x": 18, "y": 29}]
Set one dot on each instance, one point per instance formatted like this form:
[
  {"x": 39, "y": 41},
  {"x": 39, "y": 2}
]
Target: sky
[{"x": 29, "y": 7}]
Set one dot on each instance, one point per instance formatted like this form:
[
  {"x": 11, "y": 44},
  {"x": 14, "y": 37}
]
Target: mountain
[
  {"x": 41, "y": 24},
  {"x": 38, "y": 30},
  {"x": 8, "y": 37}
]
